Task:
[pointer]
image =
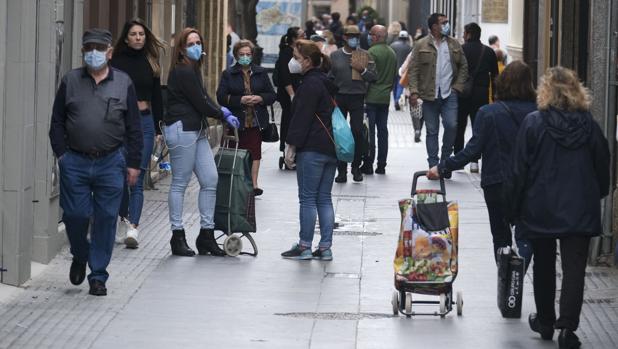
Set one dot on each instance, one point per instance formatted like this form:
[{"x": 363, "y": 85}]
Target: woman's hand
[
  {"x": 246, "y": 100},
  {"x": 229, "y": 118},
  {"x": 433, "y": 173}
]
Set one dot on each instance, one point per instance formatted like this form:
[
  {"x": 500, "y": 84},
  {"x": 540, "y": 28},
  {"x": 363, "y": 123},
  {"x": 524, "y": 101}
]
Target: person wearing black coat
[
  {"x": 482, "y": 69},
  {"x": 286, "y": 82},
  {"x": 493, "y": 137},
  {"x": 560, "y": 174},
  {"x": 310, "y": 137},
  {"x": 246, "y": 90}
]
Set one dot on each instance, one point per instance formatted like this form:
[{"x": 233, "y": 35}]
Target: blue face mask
[
  {"x": 353, "y": 42},
  {"x": 95, "y": 59},
  {"x": 446, "y": 29},
  {"x": 194, "y": 52},
  {"x": 244, "y": 60}
]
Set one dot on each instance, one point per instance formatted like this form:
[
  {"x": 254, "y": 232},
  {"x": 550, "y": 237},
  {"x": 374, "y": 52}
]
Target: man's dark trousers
[
  {"x": 91, "y": 188},
  {"x": 378, "y": 119},
  {"x": 573, "y": 257},
  {"x": 469, "y": 106},
  {"x": 354, "y": 106}
]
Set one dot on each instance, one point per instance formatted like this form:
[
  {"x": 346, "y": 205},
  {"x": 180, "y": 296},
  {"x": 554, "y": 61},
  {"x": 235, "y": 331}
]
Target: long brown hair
[
  {"x": 180, "y": 43},
  {"x": 151, "y": 46},
  {"x": 311, "y": 50},
  {"x": 560, "y": 88},
  {"x": 515, "y": 83}
]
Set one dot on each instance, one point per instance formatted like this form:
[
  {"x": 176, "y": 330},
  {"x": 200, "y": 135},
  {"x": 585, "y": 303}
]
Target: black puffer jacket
[
  {"x": 314, "y": 96},
  {"x": 560, "y": 173}
]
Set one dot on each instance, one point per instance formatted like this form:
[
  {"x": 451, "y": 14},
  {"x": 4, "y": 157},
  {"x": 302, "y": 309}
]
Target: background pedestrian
[{"x": 246, "y": 90}]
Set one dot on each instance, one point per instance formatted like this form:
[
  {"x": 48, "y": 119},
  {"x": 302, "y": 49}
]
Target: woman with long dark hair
[
  {"x": 286, "y": 82},
  {"x": 493, "y": 138},
  {"x": 137, "y": 54},
  {"x": 188, "y": 106},
  {"x": 311, "y": 138}
]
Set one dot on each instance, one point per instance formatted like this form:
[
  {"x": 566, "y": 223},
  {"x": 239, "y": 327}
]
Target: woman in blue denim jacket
[{"x": 493, "y": 138}]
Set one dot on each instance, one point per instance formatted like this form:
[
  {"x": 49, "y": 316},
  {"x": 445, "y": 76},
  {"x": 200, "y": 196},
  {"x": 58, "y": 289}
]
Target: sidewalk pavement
[{"x": 160, "y": 301}]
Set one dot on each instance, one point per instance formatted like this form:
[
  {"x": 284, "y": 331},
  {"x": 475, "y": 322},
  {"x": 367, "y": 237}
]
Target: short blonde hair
[{"x": 561, "y": 89}]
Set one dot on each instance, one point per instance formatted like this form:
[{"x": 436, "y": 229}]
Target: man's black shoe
[
  {"x": 546, "y": 331},
  {"x": 417, "y": 136},
  {"x": 447, "y": 175},
  {"x": 381, "y": 170},
  {"x": 397, "y": 106},
  {"x": 366, "y": 169},
  {"x": 77, "y": 274},
  {"x": 341, "y": 178},
  {"x": 357, "y": 176},
  {"x": 97, "y": 288},
  {"x": 567, "y": 339}
]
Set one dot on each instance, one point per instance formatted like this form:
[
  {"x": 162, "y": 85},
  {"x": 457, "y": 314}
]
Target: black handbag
[{"x": 270, "y": 133}]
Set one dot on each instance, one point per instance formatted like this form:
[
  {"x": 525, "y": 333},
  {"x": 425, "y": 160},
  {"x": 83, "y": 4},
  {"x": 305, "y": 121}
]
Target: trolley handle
[{"x": 418, "y": 174}]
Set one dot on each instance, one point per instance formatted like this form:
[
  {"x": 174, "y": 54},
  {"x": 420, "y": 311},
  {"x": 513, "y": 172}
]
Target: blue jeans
[
  {"x": 315, "y": 173},
  {"x": 91, "y": 190},
  {"x": 397, "y": 89},
  {"x": 190, "y": 153},
  {"x": 432, "y": 110},
  {"x": 133, "y": 197},
  {"x": 378, "y": 118}
]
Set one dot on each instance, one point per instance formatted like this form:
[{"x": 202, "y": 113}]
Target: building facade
[{"x": 42, "y": 42}]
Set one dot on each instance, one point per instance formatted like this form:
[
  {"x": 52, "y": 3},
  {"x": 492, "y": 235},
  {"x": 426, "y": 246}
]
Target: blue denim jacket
[{"x": 493, "y": 137}]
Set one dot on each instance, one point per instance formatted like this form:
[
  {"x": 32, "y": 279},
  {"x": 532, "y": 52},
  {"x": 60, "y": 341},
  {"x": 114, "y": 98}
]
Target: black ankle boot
[
  {"x": 206, "y": 243},
  {"x": 568, "y": 340},
  {"x": 179, "y": 244}
]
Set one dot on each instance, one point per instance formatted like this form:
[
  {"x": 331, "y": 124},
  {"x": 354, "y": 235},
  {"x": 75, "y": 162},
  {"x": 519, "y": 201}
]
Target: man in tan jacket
[{"x": 437, "y": 75}]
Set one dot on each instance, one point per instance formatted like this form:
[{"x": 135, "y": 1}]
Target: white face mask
[{"x": 294, "y": 66}]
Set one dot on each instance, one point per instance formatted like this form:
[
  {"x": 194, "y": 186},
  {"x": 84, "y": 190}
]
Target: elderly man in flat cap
[{"x": 94, "y": 116}]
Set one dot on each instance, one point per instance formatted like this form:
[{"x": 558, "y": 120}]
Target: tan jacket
[{"x": 423, "y": 69}]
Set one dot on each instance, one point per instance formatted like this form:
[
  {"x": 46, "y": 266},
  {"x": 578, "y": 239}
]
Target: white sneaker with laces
[
  {"x": 121, "y": 230},
  {"x": 131, "y": 240}
]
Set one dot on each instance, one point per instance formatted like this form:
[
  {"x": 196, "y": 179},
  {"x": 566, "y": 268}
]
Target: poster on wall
[
  {"x": 273, "y": 20},
  {"x": 495, "y": 11}
]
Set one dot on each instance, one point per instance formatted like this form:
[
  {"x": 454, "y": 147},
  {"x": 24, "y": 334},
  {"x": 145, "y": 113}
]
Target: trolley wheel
[
  {"x": 395, "y": 303},
  {"x": 459, "y": 303},
  {"x": 281, "y": 163},
  {"x": 232, "y": 245},
  {"x": 409, "y": 303},
  {"x": 442, "y": 305}
]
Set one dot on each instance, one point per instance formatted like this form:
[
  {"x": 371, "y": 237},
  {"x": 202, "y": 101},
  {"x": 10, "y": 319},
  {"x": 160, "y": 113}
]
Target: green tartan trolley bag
[{"x": 235, "y": 207}]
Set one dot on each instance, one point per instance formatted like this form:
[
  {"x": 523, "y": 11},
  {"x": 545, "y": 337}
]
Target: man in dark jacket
[
  {"x": 336, "y": 27},
  {"x": 482, "y": 69}
]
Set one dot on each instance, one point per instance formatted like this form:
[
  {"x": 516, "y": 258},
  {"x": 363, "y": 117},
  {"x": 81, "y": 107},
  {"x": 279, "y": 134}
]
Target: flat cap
[
  {"x": 351, "y": 30},
  {"x": 97, "y": 36}
]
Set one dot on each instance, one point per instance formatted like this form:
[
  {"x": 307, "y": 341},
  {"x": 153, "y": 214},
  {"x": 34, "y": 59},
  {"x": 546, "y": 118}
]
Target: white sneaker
[
  {"x": 474, "y": 167},
  {"x": 131, "y": 240},
  {"x": 121, "y": 230}
]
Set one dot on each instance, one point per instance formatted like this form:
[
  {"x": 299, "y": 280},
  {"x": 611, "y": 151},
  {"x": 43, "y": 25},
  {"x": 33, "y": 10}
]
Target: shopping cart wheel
[
  {"x": 459, "y": 303},
  {"x": 395, "y": 303},
  {"x": 281, "y": 163},
  {"x": 408, "y": 303},
  {"x": 232, "y": 245},
  {"x": 442, "y": 305}
]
